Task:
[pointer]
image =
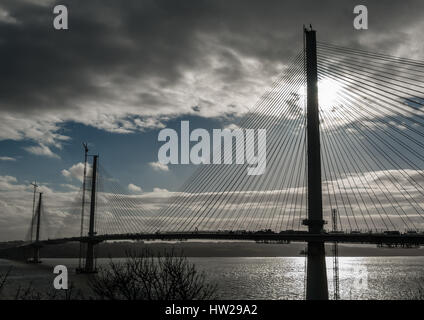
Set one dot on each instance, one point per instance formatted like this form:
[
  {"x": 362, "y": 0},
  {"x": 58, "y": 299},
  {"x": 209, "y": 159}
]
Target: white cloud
[
  {"x": 66, "y": 173},
  {"x": 232, "y": 126},
  {"x": 76, "y": 171},
  {"x": 6, "y": 180},
  {"x": 7, "y": 159},
  {"x": 69, "y": 186},
  {"x": 160, "y": 190},
  {"x": 134, "y": 188},
  {"x": 41, "y": 129},
  {"x": 157, "y": 166},
  {"x": 42, "y": 150}
]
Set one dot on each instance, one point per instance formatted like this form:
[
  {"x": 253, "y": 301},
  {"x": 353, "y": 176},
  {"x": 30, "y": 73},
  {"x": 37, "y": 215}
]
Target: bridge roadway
[{"x": 293, "y": 236}]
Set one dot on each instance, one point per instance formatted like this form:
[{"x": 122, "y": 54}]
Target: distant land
[{"x": 219, "y": 249}]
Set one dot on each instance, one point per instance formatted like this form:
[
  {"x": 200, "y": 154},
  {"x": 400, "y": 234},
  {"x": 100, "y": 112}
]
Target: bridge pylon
[
  {"x": 90, "y": 265},
  {"x": 316, "y": 284},
  {"x": 36, "y": 244}
]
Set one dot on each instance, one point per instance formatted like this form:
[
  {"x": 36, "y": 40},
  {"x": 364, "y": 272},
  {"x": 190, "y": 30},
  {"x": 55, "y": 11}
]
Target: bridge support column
[
  {"x": 316, "y": 285},
  {"x": 89, "y": 259},
  {"x": 35, "y": 253},
  {"x": 36, "y": 245},
  {"x": 90, "y": 266}
]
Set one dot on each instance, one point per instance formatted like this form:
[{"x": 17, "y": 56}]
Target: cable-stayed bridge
[{"x": 345, "y": 144}]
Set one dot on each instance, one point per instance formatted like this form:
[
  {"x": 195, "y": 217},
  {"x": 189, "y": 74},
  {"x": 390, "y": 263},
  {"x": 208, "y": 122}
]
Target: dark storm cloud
[
  {"x": 46, "y": 68},
  {"x": 126, "y": 41}
]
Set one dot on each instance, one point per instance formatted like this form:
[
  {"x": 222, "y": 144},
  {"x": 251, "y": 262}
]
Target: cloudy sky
[{"x": 126, "y": 69}]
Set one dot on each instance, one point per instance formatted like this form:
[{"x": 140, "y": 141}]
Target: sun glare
[{"x": 328, "y": 91}]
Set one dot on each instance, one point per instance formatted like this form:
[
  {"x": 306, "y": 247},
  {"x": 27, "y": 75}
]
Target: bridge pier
[
  {"x": 317, "y": 287},
  {"x": 35, "y": 254},
  {"x": 89, "y": 259},
  {"x": 316, "y": 284}
]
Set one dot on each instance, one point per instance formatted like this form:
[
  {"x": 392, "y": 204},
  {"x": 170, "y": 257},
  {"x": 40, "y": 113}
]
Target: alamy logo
[
  {"x": 360, "y": 278},
  {"x": 60, "y": 282},
  {"x": 219, "y": 151},
  {"x": 360, "y": 22},
  {"x": 60, "y": 21}
]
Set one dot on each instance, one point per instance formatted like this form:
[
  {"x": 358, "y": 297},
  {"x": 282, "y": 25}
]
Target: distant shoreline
[{"x": 223, "y": 249}]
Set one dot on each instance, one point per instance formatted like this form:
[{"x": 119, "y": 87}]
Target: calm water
[{"x": 262, "y": 278}]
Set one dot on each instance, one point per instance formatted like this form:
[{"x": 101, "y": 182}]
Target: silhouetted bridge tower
[
  {"x": 91, "y": 240},
  {"x": 316, "y": 269},
  {"x": 36, "y": 245}
]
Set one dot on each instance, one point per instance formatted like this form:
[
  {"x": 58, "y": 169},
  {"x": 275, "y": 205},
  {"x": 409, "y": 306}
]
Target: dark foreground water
[{"x": 260, "y": 278}]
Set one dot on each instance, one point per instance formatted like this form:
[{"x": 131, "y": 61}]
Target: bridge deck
[{"x": 366, "y": 238}]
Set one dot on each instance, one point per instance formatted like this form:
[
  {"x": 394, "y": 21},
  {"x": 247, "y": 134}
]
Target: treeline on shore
[{"x": 202, "y": 249}]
